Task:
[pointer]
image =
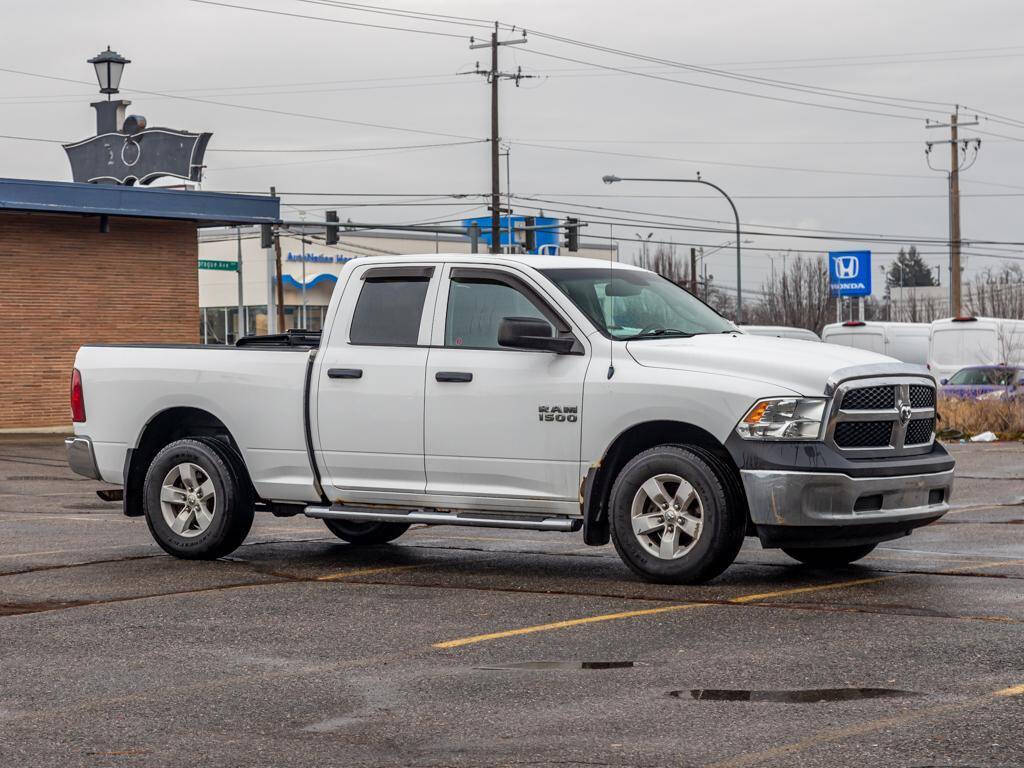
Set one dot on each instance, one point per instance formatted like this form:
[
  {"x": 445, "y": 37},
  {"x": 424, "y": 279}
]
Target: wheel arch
[
  {"x": 638, "y": 438},
  {"x": 165, "y": 427}
]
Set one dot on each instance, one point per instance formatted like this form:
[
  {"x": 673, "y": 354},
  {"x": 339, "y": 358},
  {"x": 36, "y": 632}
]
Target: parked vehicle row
[
  {"x": 519, "y": 392},
  {"x": 985, "y": 382}
]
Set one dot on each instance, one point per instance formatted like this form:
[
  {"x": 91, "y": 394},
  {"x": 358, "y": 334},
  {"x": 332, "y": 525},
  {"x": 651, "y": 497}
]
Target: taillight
[{"x": 77, "y": 397}]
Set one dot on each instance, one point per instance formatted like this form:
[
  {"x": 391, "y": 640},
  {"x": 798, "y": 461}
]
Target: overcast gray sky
[{"x": 854, "y": 167}]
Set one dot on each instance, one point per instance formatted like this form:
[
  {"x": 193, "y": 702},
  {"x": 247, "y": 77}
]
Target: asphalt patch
[
  {"x": 796, "y": 696},
  {"x": 563, "y": 665}
]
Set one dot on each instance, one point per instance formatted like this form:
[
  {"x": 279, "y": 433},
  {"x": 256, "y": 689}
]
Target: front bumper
[
  {"x": 836, "y": 508},
  {"x": 81, "y": 457},
  {"x": 807, "y": 494}
]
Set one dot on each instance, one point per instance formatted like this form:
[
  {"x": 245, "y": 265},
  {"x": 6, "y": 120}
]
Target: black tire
[
  {"x": 829, "y": 557},
  {"x": 232, "y": 510},
  {"x": 723, "y": 519},
  {"x": 366, "y": 532}
]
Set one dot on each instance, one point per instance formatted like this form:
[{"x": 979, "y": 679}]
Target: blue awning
[
  {"x": 207, "y": 209},
  {"x": 313, "y": 281}
]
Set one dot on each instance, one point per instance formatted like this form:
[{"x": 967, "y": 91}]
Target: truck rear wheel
[
  {"x": 829, "y": 557},
  {"x": 366, "y": 532},
  {"x": 671, "y": 520},
  {"x": 196, "y": 505}
]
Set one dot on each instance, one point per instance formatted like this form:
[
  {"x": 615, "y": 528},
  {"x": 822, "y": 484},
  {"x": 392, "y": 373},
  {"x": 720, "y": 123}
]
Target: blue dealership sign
[{"x": 849, "y": 273}]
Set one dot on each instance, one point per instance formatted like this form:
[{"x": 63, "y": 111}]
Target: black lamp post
[
  {"x": 611, "y": 179},
  {"x": 110, "y": 113}
]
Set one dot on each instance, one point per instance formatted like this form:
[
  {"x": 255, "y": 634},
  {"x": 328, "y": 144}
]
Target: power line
[
  {"x": 886, "y": 101},
  {"x": 705, "y": 86},
  {"x": 351, "y": 149},
  {"x": 796, "y": 235},
  {"x": 327, "y": 19},
  {"x": 250, "y": 108},
  {"x": 745, "y": 165},
  {"x": 902, "y": 238}
]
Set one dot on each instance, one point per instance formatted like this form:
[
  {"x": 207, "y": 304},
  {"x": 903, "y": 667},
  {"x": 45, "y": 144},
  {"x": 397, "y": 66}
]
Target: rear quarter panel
[{"x": 257, "y": 394}]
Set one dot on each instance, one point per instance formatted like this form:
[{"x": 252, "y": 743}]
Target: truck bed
[{"x": 256, "y": 390}]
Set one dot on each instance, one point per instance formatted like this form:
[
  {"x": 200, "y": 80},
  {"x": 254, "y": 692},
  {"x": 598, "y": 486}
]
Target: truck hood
[{"x": 801, "y": 366}]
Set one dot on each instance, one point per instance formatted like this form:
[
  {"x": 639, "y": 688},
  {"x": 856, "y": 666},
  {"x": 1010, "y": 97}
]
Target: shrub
[{"x": 964, "y": 418}]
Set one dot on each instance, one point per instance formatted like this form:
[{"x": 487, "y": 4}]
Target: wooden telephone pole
[
  {"x": 957, "y": 162},
  {"x": 494, "y": 75}
]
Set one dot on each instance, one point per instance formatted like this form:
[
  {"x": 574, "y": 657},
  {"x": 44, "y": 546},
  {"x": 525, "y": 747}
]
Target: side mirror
[
  {"x": 943, "y": 381},
  {"x": 531, "y": 333}
]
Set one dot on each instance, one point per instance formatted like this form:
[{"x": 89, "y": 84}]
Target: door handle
[
  {"x": 453, "y": 376},
  {"x": 344, "y": 373}
]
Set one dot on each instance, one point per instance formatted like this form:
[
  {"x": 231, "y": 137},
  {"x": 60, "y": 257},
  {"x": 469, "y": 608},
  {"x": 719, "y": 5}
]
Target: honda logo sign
[{"x": 849, "y": 273}]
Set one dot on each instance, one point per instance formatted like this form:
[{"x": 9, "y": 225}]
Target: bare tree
[
  {"x": 799, "y": 296},
  {"x": 665, "y": 262},
  {"x": 997, "y": 293}
]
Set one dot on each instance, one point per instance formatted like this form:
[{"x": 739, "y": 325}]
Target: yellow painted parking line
[
  {"x": 802, "y": 590},
  {"x": 1013, "y": 690},
  {"x": 563, "y": 625},
  {"x": 741, "y": 600},
  {"x": 367, "y": 572},
  {"x": 75, "y": 551},
  {"x": 831, "y": 735}
]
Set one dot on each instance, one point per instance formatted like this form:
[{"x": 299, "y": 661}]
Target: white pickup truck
[{"x": 541, "y": 393}]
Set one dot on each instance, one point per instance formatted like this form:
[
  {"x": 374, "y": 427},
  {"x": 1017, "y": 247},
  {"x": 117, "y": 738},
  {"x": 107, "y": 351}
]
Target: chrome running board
[{"x": 431, "y": 517}]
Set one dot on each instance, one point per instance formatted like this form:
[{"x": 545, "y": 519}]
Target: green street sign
[{"x": 224, "y": 266}]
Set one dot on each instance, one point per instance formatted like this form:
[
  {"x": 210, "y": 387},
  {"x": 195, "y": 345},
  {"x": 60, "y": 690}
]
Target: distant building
[
  {"x": 919, "y": 304},
  {"x": 218, "y": 289}
]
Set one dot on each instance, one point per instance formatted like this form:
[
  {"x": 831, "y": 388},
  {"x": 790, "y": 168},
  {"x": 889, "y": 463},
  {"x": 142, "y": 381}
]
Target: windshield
[
  {"x": 992, "y": 377},
  {"x": 636, "y": 304}
]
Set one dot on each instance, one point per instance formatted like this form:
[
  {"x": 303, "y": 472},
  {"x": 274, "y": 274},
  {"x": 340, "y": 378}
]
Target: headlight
[{"x": 784, "y": 418}]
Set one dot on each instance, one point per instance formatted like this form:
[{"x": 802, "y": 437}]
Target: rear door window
[{"x": 389, "y": 311}]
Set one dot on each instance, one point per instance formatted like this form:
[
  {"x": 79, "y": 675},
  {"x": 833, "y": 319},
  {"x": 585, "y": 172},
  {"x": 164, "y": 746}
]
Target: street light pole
[{"x": 610, "y": 179}]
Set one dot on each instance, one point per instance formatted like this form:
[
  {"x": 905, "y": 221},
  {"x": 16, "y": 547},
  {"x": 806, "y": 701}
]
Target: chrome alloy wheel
[
  {"x": 667, "y": 516},
  {"x": 188, "y": 499}
]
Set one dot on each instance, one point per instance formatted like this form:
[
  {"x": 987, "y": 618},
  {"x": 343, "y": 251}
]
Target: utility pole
[
  {"x": 494, "y": 75},
  {"x": 958, "y": 150},
  {"x": 278, "y": 276},
  {"x": 693, "y": 271},
  {"x": 241, "y": 299}
]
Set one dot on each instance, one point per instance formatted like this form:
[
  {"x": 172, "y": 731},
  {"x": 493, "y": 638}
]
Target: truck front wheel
[
  {"x": 670, "y": 516},
  {"x": 366, "y": 533},
  {"x": 829, "y": 557},
  {"x": 197, "y": 507}
]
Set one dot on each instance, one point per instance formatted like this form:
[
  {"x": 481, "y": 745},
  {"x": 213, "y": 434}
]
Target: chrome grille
[
  {"x": 863, "y": 434},
  {"x": 919, "y": 431},
  {"x": 870, "y": 398},
  {"x": 882, "y": 416}
]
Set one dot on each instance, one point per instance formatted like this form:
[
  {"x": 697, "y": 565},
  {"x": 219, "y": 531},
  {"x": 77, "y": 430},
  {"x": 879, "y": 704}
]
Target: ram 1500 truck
[{"x": 544, "y": 393}]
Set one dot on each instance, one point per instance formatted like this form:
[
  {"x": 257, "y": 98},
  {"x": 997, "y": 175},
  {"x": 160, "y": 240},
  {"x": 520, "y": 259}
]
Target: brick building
[{"x": 86, "y": 263}]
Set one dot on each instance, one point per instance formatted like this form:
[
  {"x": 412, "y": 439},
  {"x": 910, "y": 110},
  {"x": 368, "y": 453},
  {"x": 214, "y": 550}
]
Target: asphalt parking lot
[{"x": 459, "y": 646}]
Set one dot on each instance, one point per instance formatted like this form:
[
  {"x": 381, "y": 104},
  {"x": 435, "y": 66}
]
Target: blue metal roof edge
[{"x": 115, "y": 200}]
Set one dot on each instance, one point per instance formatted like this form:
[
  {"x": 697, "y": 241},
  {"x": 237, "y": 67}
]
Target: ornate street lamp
[
  {"x": 109, "y": 67},
  {"x": 124, "y": 151}
]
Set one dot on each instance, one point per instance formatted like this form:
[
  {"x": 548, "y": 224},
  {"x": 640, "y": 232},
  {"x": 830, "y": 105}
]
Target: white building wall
[{"x": 220, "y": 288}]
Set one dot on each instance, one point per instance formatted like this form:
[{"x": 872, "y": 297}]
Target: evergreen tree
[{"x": 909, "y": 270}]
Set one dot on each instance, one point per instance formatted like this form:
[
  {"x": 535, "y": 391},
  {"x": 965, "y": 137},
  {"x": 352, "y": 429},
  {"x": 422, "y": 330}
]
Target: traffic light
[
  {"x": 530, "y": 234},
  {"x": 572, "y": 234},
  {"x": 266, "y": 236},
  {"x": 332, "y": 230}
]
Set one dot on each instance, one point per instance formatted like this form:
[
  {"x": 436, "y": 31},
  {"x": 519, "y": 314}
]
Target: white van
[
  {"x": 907, "y": 342},
  {"x": 957, "y": 342},
  {"x": 780, "y": 331}
]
